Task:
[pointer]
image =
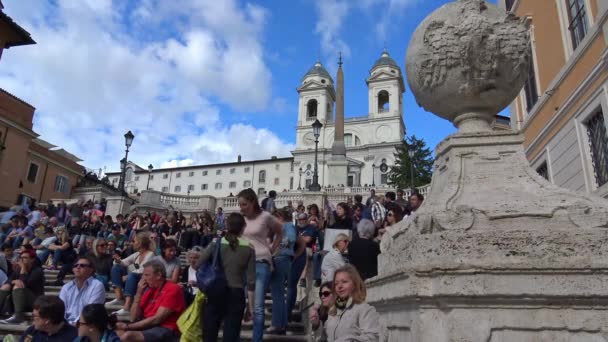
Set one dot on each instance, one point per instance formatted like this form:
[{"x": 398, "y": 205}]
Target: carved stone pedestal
[{"x": 496, "y": 253}]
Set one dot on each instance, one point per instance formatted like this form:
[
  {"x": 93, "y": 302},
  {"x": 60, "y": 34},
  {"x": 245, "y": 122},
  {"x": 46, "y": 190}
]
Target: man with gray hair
[
  {"x": 363, "y": 252},
  {"x": 156, "y": 307}
]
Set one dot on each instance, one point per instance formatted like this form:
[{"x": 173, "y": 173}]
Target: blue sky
[{"x": 198, "y": 81}]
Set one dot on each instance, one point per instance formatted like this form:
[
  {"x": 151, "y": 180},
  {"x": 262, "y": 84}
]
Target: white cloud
[
  {"x": 99, "y": 70},
  {"x": 331, "y": 16},
  {"x": 333, "y": 13}
]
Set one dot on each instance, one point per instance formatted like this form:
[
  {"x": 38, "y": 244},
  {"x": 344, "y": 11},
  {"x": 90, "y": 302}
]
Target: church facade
[{"x": 369, "y": 144}]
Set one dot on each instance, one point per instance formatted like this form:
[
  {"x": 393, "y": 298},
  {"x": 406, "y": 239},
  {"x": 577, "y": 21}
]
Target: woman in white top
[
  {"x": 127, "y": 272},
  {"x": 335, "y": 258}
]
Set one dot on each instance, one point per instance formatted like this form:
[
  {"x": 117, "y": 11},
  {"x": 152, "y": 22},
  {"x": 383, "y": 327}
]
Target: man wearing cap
[{"x": 25, "y": 285}]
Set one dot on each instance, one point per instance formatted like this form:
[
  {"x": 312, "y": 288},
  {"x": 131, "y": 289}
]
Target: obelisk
[{"x": 338, "y": 165}]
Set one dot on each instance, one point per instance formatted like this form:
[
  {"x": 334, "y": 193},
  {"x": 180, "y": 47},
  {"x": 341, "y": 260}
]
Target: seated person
[
  {"x": 102, "y": 261},
  {"x": 25, "y": 285},
  {"x": 6, "y": 259},
  {"x": 16, "y": 236},
  {"x": 42, "y": 246},
  {"x": 49, "y": 324},
  {"x": 169, "y": 258},
  {"x": 156, "y": 307},
  {"x": 95, "y": 325},
  {"x": 83, "y": 290},
  {"x": 11, "y": 226},
  {"x": 127, "y": 272}
]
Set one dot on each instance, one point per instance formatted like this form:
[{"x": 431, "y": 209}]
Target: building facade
[
  {"x": 370, "y": 142},
  {"x": 31, "y": 168},
  {"x": 562, "y": 110}
]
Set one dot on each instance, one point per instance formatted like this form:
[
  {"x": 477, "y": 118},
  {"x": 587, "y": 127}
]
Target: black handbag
[{"x": 210, "y": 277}]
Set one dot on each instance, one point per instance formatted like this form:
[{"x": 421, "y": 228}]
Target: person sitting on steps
[
  {"x": 83, "y": 290},
  {"x": 48, "y": 322},
  {"x": 25, "y": 285},
  {"x": 156, "y": 307},
  {"x": 127, "y": 272}
]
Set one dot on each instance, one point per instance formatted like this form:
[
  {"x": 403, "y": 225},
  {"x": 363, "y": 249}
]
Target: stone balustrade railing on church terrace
[{"x": 157, "y": 201}]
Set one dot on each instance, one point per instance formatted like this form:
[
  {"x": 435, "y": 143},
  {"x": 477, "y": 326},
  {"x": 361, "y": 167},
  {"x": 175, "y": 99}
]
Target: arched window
[
  {"x": 383, "y": 101},
  {"x": 262, "y": 177},
  {"x": 129, "y": 175},
  {"x": 348, "y": 140},
  {"x": 311, "y": 108}
]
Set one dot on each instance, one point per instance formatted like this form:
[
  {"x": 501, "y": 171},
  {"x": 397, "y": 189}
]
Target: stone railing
[
  {"x": 179, "y": 201},
  {"x": 154, "y": 200}
]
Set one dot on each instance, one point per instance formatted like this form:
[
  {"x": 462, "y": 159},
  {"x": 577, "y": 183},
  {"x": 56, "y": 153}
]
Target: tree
[{"x": 399, "y": 175}]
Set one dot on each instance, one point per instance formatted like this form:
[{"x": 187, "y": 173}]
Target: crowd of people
[{"x": 262, "y": 249}]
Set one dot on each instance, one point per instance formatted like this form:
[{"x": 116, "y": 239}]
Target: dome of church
[
  {"x": 384, "y": 60},
  {"x": 318, "y": 70}
]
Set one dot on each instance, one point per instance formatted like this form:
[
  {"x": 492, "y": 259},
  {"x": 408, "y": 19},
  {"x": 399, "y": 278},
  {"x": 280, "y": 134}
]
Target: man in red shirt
[{"x": 156, "y": 308}]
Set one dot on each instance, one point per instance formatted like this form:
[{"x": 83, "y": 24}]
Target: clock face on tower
[{"x": 309, "y": 139}]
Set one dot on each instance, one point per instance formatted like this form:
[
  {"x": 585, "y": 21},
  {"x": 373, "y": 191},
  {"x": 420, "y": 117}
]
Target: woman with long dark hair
[
  {"x": 238, "y": 261},
  {"x": 95, "y": 325},
  {"x": 260, "y": 225}
]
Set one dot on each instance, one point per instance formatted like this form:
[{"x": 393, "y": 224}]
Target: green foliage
[{"x": 399, "y": 175}]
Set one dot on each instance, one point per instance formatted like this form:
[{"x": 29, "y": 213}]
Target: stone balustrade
[{"x": 154, "y": 200}]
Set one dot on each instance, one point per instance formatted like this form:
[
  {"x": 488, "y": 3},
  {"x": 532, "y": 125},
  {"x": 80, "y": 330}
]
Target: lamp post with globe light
[
  {"x": 316, "y": 130},
  {"x": 128, "y": 141},
  {"x": 300, "y": 180},
  {"x": 374, "y": 174}
]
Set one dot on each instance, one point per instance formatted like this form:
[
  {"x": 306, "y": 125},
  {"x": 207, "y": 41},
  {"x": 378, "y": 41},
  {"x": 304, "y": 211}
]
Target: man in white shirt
[{"x": 81, "y": 291}]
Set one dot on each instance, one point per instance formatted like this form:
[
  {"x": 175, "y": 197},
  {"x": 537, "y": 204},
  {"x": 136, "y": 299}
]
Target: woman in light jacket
[
  {"x": 351, "y": 318},
  {"x": 335, "y": 258}
]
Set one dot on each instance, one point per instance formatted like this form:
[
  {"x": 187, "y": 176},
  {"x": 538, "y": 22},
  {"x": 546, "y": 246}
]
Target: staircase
[{"x": 297, "y": 331}]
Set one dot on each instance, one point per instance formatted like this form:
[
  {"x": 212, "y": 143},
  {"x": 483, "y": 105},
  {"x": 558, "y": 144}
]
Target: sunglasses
[
  {"x": 390, "y": 214},
  {"x": 81, "y": 265},
  {"x": 325, "y": 294},
  {"x": 79, "y": 323},
  {"x": 101, "y": 245}
]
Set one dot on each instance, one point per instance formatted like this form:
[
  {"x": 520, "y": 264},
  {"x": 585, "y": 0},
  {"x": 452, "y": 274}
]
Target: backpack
[{"x": 210, "y": 277}]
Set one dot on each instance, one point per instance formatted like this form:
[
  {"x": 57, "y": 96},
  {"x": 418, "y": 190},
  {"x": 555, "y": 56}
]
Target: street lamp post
[
  {"x": 316, "y": 130},
  {"x": 410, "y": 153},
  {"x": 128, "y": 141},
  {"x": 300, "y": 180},
  {"x": 373, "y": 174},
  {"x": 150, "y": 168}
]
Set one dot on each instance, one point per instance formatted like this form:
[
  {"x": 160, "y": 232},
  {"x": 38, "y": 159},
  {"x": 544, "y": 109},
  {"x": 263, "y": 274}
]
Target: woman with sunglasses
[
  {"x": 127, "y": 272},
  {"x": 102, "y": 261},
  {"x": 394, "y": 216},
  {"x": 318, "y": 314},
  {"x": 95, "y": 325}
]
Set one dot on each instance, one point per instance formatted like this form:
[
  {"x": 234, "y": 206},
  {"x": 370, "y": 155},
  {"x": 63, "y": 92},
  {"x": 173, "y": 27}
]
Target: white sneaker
[
  {"x": 115, "y": 301},
  {"x": 122, "y": 312}
]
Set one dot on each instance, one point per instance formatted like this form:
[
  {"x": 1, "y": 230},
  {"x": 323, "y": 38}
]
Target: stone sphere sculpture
[{"x": 466, "y": 68}]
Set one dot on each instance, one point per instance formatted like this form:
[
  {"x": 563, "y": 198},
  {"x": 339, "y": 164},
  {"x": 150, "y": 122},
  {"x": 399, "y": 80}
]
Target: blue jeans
[
  {"x": 292, "y": 283},
  {"x": 317, "y": 260},
  {"x": 43, "y": 255},
  {"x": 262, "y": 277},
  {"x": 130, "y": 285},
  {"x": 282, "y": 267},
  {"x": 17, "y": 242},
  {"x": 57, "y": 256}
]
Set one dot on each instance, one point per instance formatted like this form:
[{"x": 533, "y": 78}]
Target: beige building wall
[
  {"x": 572, "y": 87},
  {"x": 20, "y": 148}
]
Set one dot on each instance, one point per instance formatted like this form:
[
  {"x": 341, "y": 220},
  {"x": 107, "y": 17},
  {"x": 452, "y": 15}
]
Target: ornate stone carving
[
  {"x": 495, "y": 252},
  {"x": 462, "y": 60}
]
